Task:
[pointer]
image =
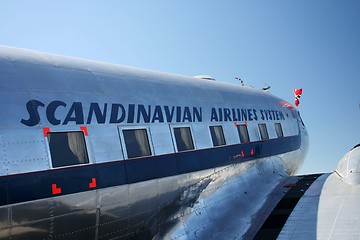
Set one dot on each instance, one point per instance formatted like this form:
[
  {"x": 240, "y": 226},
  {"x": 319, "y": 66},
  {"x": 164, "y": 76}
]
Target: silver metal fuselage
[{"x": 144, "y": 197}]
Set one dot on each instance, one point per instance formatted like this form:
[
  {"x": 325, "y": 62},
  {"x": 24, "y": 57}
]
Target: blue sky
[{"x": 286, "y": 44}]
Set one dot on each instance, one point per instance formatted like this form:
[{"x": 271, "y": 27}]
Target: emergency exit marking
[
  {"x": 93, "y": 183},
  {"x": 55, "y": 189},
  {"x": 45, "y": 131},
  {"x": 84, "y": 129}
]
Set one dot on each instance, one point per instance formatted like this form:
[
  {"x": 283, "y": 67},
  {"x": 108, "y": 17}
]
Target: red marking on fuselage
[
  {"x": 93, "y": 183},
  {"x": 55, "y": 189},
  {"x": 84, "y": 129},
  {"x": 46, "y": 130}
]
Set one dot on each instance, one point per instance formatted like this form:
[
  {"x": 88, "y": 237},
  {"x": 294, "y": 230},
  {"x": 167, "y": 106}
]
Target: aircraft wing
[{"x": 330, "y": 208}]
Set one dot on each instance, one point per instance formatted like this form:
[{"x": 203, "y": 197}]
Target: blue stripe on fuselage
[{"x": 37, "y": 185}]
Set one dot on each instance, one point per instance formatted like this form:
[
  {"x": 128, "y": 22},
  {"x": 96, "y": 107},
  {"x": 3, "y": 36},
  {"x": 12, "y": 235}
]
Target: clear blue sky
[{"x": 286, "y": 44}]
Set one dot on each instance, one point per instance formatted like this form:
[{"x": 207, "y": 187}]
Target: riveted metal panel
[
  {"x": 33, "y": 230},
  {"x": 226, "y": 206},
  {"x": 80, "y": 81},
  {"x": 230, "y": 132},
  {"x": 3, "y": 160},
  {"x": 114, "y": 196},
  {"x": 144, "y": 193},
  {"x": 40, "y": 77},
  {"x": 201, "y": 135},
  {"x": 33, "y": 155},
  {"x": 161, "y": 138},
  {"x": 114, "y": 84},
  {"x": 124, "y": 86},
  {"x": 105, "y": 143},
  {"x": 73, "y": 203},
  {"x": 14, "y": 108},
  {"x": 26, "y": 213},
  {"x": 78, "y": 225},
  {"x": 113, "y": 223},
  {"x": 5, "y": 233},
  {"x": 169, "y": 190},
  {"x": 4, "y": 218},
  {"x": 188, "y": 93},
  {"x": 271, "y": 129},
  {"x": 114, "y": 212},
  {"x": 10, "y": 77}
]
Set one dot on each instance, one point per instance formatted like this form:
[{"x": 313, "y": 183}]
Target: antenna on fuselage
[
  {"x": 266, "y": 88},
  {"x": 241, "y": 81}
]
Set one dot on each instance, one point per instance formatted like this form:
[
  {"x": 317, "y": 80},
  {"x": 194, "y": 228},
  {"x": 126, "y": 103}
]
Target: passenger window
[
  {"x": 263, "y": 131},
  {"x": 243, "y": 133},
  {"x": 217, "y": 135},
  {"x": 136, "y": 143},
  {"x": 67, "y": 148},
  {"x": 183, "y": 139},
  {"x": 279, "y": 131}
]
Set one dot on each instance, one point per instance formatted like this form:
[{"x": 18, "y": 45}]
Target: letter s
[{"x": 34, "y": 117}]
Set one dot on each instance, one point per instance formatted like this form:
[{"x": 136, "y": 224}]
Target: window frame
[
  {"x": 222, "y": 135},
  {"x": 173, "y": 127},
  {"x": 51, "y": 152},
  {"x": 278, "y": 128},
  {"x": 124, "y": 148},
  {"x": 241, "y": 137},
  {"x": 263, "y": 130}
]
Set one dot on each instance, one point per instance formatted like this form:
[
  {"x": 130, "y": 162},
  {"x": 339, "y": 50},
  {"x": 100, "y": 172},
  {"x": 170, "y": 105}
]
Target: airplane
[{"x": 93, "y": 150}]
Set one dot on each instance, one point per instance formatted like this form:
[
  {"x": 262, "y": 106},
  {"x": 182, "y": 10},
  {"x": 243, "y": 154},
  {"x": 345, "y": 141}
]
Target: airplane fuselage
[{"x": 100, "y": 151}]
